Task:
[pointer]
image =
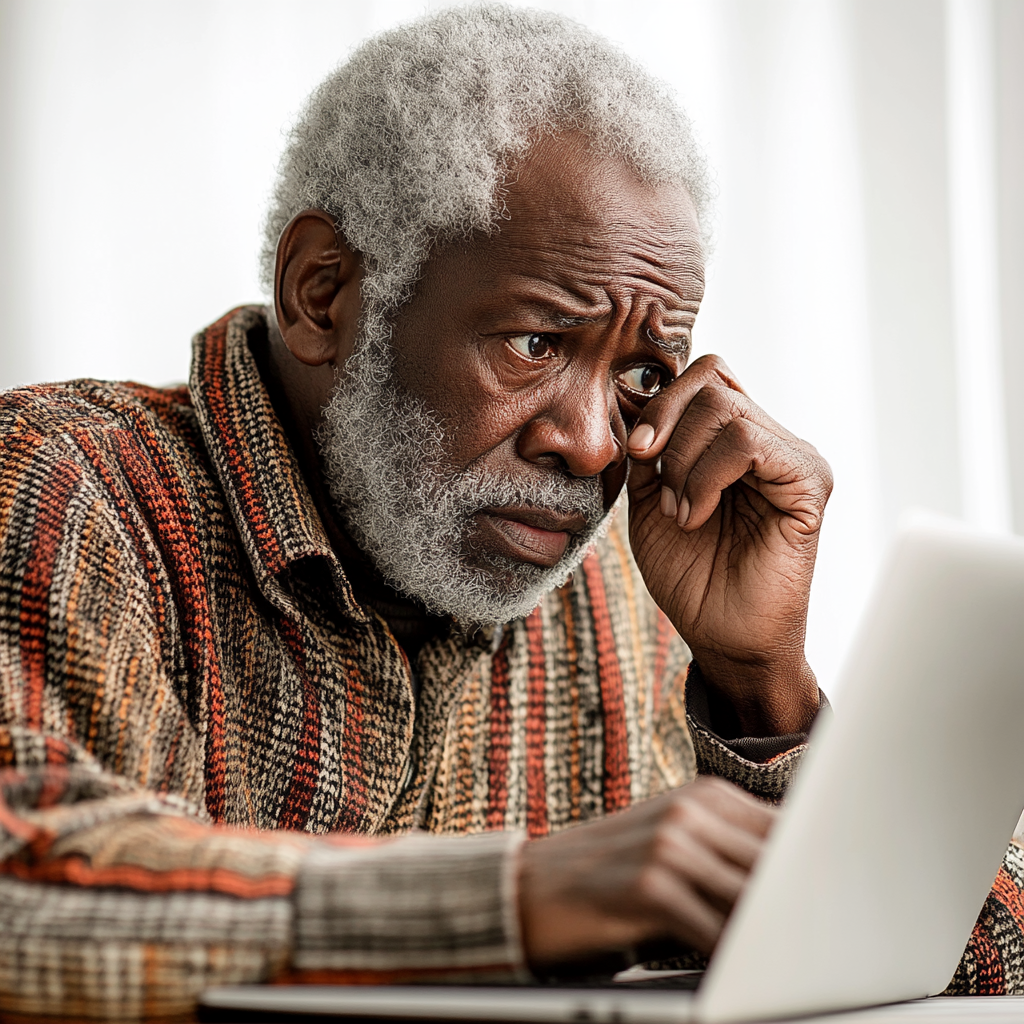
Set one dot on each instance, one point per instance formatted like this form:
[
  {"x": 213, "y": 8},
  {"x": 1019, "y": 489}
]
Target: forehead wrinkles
[{"x": 623, "y": 270}]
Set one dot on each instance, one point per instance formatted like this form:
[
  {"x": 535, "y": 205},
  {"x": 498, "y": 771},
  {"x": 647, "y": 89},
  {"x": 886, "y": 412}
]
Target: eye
[
  {"x": 645, "y": 380},
  {"x": 533, "y": 346}
]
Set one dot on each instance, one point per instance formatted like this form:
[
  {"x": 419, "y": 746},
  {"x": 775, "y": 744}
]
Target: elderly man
[{"x": 294, "y": 659}]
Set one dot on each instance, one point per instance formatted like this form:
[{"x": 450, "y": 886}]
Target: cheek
[
  {"x": 480, "y": 415},
  {"x": 485, "y": 425}
]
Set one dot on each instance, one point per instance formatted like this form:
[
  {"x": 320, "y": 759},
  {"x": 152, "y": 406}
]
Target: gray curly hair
[{"x": 408, "y": 143}]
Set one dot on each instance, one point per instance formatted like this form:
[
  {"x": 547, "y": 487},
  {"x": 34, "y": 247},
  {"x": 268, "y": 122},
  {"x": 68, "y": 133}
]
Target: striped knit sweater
[{"x": 212, "y": 766}]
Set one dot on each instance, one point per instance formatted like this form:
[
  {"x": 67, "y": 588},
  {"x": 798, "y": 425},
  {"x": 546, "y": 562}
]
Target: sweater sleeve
[
  {"x": 119, "y": 903},
  {"x": 764, "y": 766},
  {"x": 119, "y": 898}
]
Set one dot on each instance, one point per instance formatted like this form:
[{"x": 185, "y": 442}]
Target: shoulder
[
  {"x": 75, "y": 408},
  {"x": 95, "y": 451},
  {"x": 98, "y": 426}
]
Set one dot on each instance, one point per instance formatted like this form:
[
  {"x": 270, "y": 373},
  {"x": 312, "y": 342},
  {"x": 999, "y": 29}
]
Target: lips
[{"x": 538, "y": 536}]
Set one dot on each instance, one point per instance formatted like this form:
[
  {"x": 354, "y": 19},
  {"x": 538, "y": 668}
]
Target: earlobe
[{"x": 316, "y": 290}]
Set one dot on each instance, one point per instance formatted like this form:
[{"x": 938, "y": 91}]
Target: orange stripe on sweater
[
  {"x": 498, "y": 730},
  {"x": 572, "y": 666},
  {"x": 215, "y": 374},
  {"x": 353, "y": 738},
  {"x": 34, "y": 608},
  {"x": 77, "y": 871},
  {"x": 613, "y": 701},
  {"x": 990, "y": 981},
  {"x": 536, "y": 723},
  {"x": 15, "y": 826},
  {"x": 166, "y": 504}
]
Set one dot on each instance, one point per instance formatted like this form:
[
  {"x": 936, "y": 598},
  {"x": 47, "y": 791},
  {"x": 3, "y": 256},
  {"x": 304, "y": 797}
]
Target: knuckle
[
  {"x": 826, "y": 476},
  {"x": 676, "y": 814},
  {"x": 710, "y": 396},
  {"x": 649, "y": 883},
  {"x": 709, "y": 361},
  {"x": 676, "y": 822},
  {"x": 742, "y": 433},
  {"x": 682, "y": 797},
  {"x": 714, "y": 363},
  {"x": 663, "y": 843},
  {"x": 718, "y": 402}
]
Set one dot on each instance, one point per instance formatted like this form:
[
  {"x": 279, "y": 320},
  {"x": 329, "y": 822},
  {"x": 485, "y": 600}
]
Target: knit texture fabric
[{"x": 212, "y": 767}]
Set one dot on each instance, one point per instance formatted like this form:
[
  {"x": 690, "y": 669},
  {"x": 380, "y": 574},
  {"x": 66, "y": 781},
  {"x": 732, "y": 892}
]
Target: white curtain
[{"x": 866, "y": 285}]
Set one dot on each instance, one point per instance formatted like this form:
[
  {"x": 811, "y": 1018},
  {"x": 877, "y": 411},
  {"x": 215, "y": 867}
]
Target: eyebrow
[
  {"x": 673, "y": 345},
  {"x": 677, "y": 345},
  {"x": 568, "y": 322}
]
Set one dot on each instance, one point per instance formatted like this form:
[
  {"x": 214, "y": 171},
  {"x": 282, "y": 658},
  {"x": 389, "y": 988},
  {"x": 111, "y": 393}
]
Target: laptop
[{"x": 891, "y": 836}]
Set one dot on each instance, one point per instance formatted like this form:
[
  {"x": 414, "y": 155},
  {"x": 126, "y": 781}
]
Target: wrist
[{"x": 765, "y": 699}]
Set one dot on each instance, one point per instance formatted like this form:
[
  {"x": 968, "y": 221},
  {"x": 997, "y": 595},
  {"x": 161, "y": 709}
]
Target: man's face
[{"x": 516, "y": 373}]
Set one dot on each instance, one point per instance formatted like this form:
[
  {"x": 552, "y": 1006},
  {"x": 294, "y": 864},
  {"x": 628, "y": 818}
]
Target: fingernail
[
  {"x": 684, "y": 511},
  {"x": 642, "y": 438},
  {"x": 668, "y": 502}
]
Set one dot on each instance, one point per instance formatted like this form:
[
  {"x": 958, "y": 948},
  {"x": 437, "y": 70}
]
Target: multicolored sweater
[{"x": 212, "y": 765}]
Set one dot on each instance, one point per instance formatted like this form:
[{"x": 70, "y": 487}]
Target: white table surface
[
  {"x": 434, "y": 1004},
  {"x": 941, "y": 1010}
]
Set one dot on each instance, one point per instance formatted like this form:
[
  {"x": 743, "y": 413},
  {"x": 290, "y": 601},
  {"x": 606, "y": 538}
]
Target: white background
[{"x": 864, "y": 286}]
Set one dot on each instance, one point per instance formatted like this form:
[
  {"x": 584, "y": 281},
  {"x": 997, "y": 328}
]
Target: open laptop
[{"x": 892, "y": 834}]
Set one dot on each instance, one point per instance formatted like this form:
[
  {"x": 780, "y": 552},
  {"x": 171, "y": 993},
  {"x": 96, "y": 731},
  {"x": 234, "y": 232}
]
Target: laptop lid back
[{"x": 897, "y": 823}]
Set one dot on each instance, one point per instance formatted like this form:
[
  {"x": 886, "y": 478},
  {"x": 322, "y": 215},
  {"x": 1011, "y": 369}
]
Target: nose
[{"x": 579, "y": 430}]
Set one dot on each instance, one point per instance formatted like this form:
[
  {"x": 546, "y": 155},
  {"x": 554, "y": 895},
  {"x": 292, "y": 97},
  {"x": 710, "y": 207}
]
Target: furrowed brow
[
  {"x": 674, "y": 345},
  {"x": 568, "y": 322}
]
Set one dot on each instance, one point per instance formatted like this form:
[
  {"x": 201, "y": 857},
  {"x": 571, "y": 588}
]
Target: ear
[{"x": 316, "y": 290}]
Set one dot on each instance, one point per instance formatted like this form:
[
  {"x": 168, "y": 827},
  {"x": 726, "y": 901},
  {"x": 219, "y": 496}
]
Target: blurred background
[{"x": 867, "y": 285}]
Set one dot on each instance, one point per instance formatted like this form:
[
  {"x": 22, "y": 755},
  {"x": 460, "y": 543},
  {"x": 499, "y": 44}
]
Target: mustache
[{"x": 551, "y": 491}]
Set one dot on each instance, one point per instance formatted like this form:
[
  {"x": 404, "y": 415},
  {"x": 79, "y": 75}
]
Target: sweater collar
[{"x": 256, "y": 466}]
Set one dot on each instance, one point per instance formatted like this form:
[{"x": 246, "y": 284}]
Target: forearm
[
  {"x": 118, "y": 906},
  {"x": 114, "y": 903}
]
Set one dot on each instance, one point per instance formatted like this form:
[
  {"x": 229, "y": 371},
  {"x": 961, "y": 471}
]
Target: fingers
[
  {"x": 671, "y": 866},
  {"x": 694, "y": 920},
  {"x": 734, "y": 804},
  {"x": 707, "y": 844},
  {"x": 655, "y": 427},
  {"x": 696, "y": 469},
  {"x": 713, "y": 834},
  {"x": 712, "y": 855},
  {"x": 705, "y": 435}
]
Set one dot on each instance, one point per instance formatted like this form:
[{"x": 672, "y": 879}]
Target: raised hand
[{"x": 724, "y": 511}]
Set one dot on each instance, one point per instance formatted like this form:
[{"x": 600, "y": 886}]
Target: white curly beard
[{"x": 411, "y": 512}]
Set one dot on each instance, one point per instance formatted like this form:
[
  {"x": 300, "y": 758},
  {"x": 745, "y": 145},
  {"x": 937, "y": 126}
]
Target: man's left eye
[
  {"x": 645, "y": 380},
  {"x": 533, "y": 346}
]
